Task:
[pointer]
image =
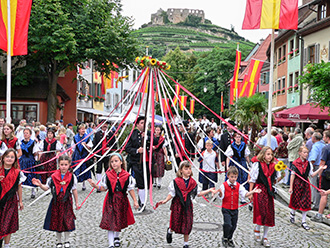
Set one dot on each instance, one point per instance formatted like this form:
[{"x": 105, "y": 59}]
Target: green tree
[
  {"x": 317, "y": 77},
  {"x": 250, "y": 111},
  {"x": 63, "y": 34}
]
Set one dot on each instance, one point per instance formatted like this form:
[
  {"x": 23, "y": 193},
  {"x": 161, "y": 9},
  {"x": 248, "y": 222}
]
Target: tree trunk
[{"x": 52, "y": 98}]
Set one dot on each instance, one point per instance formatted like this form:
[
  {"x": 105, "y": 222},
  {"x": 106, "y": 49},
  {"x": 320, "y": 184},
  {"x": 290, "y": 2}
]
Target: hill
[{"x": 189, "y": 37}]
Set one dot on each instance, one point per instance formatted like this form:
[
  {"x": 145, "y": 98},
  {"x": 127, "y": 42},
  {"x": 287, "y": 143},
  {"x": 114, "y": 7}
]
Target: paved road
[{"x": 150, "y": 227}]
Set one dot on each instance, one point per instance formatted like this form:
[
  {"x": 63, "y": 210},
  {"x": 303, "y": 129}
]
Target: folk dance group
[{"x": 117, "y": 213}]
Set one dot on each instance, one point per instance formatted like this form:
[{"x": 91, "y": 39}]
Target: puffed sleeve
[
  {"x": 222, "y": 188},
  {"x": 48, "y": 182},
  {"x": 103, "y": 182},
  {"x": 171, "y": 189},
  {"x": 90, "y": 143},
  {"x": 58, "y": 146},
  {"x": 3, "y": 148},
  {"x": 254, "y": 173},
  {"x": 131, "y": 184},
  {"x": 18, "y": 145},
  {"x": 242, "y": 191},
  {"x": 41, "y": 146},
  {"x": 311, "y": 171},
  {"x": 247, "y": 151},
  {"x": 229, "y": 152},
  {"x": 22, "y": 177},
  {"x": 35, "y": 148}
]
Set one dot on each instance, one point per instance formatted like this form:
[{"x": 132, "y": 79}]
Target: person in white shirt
[
  {"x": 213, "y": 124},
  {"x": 210, "y": 164}
]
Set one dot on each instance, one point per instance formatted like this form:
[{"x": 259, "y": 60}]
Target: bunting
[
  {"x": 183, "y": 102},
  {"x": 192, "y": 106},
  {"x": 236, "y": 72},
  {"x": 221, "y": 104},
  {"x": 165, "y": 104},
  {"x": 177, "y": 91}
]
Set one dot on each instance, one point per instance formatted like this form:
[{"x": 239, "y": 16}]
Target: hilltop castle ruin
[{"x": 176, "y": 15}]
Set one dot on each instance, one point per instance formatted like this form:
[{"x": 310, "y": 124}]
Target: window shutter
[
  {"x": 305, "y": 57},
  {"x": 317, "y": 53}
]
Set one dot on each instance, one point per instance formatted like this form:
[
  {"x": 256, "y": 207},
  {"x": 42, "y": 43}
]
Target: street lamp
[{"x": 205, "y": 89}]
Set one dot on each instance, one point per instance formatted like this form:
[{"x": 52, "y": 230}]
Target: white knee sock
[
  {"x": 116, "y": 234},
  {"x": 110, "y": 237},
  {"x": 142, "y": 195},
  {"x": 66, "y": 236},
  {"x": 266, "y": 228},
  {"x": 159, "y": 181},
  {"x": 6, "y": 246},
  {"x": 303, "y": 219},
  {"x": 33, "y": 191},
  {"x": 59, "y": 237},
  {"x": 83, "y": 184},
  {"x": 293, "y": 212},
  {"x": 258, "y": 228},
  {"x": 98, "y": 176}
]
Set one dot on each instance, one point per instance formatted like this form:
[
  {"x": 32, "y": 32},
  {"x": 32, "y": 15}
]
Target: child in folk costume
[
  {"x": 48, "y": 148},
  {"x": 182, "y": 189},
  {"x": 79, "y": 145},
  {"x": 263, "y": 176},
  {"x": 9, "y": 138},
  {"x": 60, "y": 217},
  {"x": 117, "y": 213},
  {"x": 27, "y": 160},
  {"x": 300, "y": 190},
  {"x": 229, "y": 193},
  {"x": 11, "y": 179}
]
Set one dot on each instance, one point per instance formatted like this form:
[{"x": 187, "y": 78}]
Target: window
[
  {"x": 278, "y": 84},
  {"x": 322, "y": 11},
  {"x": 291, "y": 48},
  {"x": 21, "y": 111},
  {"x": 265, "y": 77},
  {"x": 116, "y": 99},
  {"x": 134, "y": 75},
  {"x": 311, "y": 52},
  {"x": 126, "y": 93},
  {"x": 138, "y": 99},
  {"x": 297, "y": 45},
  {"x": 108, "y": 99},
  {"x": 290, "y": 80},
  {"x": 279, "y": 55},
  {"x": 296, "y": 77},
  {"x": 283, "y": 84},
  {"x": 284, "y": 53}
]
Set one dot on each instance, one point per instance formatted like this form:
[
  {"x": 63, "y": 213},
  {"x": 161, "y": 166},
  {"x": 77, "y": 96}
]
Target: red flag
[
  {"x": 254, "y": 75},
  {"x": 244, "y": 89},
  {"x": 177, "y": 91},
  {"x": 102, "y": 84},
  {"x": 271, "y": 14},
  {"x": 145, "y": 82},
  {"x": 183, "y": 102},
  {"x": 192, "y": 106},
  {"x": 231, "y": 93},
  {"x": 236, "y": 71},
  {"x": 165, "y": 104},
  {"x": 20, "y": 17}
]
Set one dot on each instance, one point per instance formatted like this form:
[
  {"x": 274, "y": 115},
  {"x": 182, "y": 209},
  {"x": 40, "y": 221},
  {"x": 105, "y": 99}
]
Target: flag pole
[
  {"x": 270, "y": 95},
  {"x": 8, "y": 96}
]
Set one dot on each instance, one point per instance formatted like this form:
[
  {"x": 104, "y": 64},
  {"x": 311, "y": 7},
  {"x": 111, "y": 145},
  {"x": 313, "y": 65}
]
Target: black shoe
[
  {"x": 168, "y": 237},
  {"x": 250, "y": 207},
  {"x": 158, "y": 186},
  {"x": 1, "y": 240},
  {"x": 186, "y": 246},
  {"x": 116, "y": 242},
  {"x": 225, "y": 242},
  {"x": 33, "y": 196},
  {"x": 141, "y": 207},
  {"x": 231, "y": 243},
  {"x": 98, "y": 191},
  {"x": 83, "y": 189}
]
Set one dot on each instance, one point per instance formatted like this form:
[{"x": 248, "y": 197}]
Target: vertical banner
[
  {"x": 177, "y": 91},
  {"x": 221, "y": 110},
  {"x": 165, "y": 104},
  {"x": 183, "y": 102},
  {"x": 192, "y": 106},
  {"x": 231, "y": 93},
  {"x": 236, "y": 71},
  {"x": 254, "y": 75},
  {"x": 243, "y": 91},
  {"x": 103, "y": 87}
]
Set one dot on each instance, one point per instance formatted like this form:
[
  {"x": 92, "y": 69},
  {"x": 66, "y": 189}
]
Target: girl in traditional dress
[
  {"x": 159, "y": 154},
  {"x": 239, "y": 152},
  {"x": 29, "y": 151},
  {"x": 9, "y": 138},
  {"x": 80, "y": 152},
  {"x": 11, "y": 179},
  {"x": 117, "y": 213},
  {"x": 60, "y": 217},
  {"x": 182, "y": 189},
  {"x": 49, "y": 147},
  {"x": 263, "y": 176},
  {"x": 300, "y": 190}
]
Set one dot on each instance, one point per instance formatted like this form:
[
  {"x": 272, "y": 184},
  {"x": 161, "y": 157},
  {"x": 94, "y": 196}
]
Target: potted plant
[
  {"x": 102, "y": 99},
  {"x": 89, "y": 96},
  {"x": 81, "y": 96},
  {"x": 97, "y": 98}
]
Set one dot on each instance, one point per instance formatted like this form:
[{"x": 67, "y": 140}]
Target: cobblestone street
[{"x": 150, "y": 228}]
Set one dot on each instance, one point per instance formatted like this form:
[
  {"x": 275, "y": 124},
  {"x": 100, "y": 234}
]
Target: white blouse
[
  {"x": 171, "y": 189},
  {"x": 74, "y": 186},
  {"x": 229, "y": 152},
  {"x": 254, "y": 173}
]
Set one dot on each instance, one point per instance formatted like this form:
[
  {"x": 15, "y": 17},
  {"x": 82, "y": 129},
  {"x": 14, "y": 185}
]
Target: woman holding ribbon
[{"x": 239, "y": 152}]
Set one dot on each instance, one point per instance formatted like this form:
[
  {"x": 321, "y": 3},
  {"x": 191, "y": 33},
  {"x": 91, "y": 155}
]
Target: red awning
[
  {"x": 308, "y": 111},
  {"x": 280, "y": 122}
]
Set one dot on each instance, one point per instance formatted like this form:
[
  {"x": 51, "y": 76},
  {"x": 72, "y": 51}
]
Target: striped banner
[
  {"x": 177, "y": 91},
  {"x": 243, "y": 91},
  {"x": 165, "y": 104},
  {"x": 236, "y": 71},
  {"x": 254, "y": 75},
  {"x": 19, "y": 24},
  {"x": 183, "y": 102},
  {"x": 271, "y": 14},
  {"x": 192, "y": 106}
]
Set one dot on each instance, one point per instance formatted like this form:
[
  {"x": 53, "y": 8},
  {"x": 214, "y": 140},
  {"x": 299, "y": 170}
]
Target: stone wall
[{"x": 176, "y": 15}]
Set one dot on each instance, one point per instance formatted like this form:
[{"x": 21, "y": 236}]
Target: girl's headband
[{"x": 116, "y": 154}]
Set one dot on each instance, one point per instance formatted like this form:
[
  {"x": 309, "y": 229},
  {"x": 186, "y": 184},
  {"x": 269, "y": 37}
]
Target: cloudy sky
[{"x": 223, "y": 13}]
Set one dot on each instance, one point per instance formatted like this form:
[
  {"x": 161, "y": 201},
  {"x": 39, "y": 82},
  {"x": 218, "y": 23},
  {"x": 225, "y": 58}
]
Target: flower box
[
  {"x": 102, "y": 99},
  {"x": 90, "y": 96}
]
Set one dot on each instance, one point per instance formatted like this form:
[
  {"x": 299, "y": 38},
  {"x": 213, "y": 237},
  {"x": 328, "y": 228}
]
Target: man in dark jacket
[
  {"x": 134, "y": 148},
  {"x": 225, "y": 140},
  {"x": 103, "y": 146}
]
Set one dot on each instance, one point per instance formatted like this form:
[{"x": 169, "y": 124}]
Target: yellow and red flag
[
  {"x": 236, "y": 71},
  {"x": 254, "y": 75},
  {"x": 183, "y": 102},
  {"x": 177, "y": 91},
  {"x": 19, "y": 24},
  {"x": 244, "y": 89},
  {"x": 271, "y": 14},
  {"x": 231, "y": 93},
  {"x": 192, "y": 106},
  {"x": 221, "y": 103},
  {"x": 145, "y": 81},
  {"x": 103, "y": 87}
]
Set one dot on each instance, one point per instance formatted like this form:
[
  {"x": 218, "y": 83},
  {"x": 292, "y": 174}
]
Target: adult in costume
[
  {"x": 226, "y": 139},
  {"x": 159, "y": 154}
]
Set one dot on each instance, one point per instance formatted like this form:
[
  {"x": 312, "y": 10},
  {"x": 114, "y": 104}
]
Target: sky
[{"x": 223, "y": 13}]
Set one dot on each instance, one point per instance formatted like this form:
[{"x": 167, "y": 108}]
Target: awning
[
  {"x": 93, "y": 111},
  {"x": 306, "y": 112}
]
